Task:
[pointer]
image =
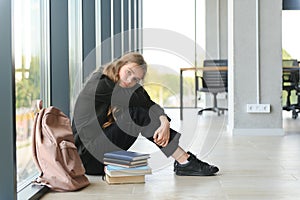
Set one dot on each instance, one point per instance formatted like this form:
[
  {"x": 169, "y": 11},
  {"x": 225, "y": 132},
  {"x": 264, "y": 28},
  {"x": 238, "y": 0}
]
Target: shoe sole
[{"x": 183, "y": 173}]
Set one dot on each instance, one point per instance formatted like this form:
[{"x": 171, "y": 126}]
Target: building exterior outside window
[{"x": 30, "y": 50}]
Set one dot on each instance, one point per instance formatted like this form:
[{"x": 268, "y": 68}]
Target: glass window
[
  {"x": 290, "y": 49},
  {"x": 30, "y": 60},
  {"x": 162, "y": 81},
  {"x": 75, "y": 50},
  {"x": 290, "y": 34}
]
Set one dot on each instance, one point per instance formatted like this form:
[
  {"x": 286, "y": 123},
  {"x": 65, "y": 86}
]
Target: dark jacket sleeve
[
  {"x": 141, "y": 98},
  {"x": 104, "y": 90},
  {"x": 103, "y": 94}
]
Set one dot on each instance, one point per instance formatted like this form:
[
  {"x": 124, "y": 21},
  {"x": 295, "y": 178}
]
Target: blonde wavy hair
[
  {"x": 112, "y": 69},
  {"x": 112, "y": 72}
]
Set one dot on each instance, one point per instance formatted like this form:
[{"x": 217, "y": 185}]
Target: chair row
[
  {"x": 290, "y": 83},
  {"x": 213, "y": 80}
]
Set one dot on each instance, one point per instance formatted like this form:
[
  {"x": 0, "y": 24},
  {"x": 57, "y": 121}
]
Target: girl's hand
[{"x": 162, "y": 134}]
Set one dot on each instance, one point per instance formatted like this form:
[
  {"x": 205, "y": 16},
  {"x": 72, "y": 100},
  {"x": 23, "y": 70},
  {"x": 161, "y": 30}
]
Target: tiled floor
[{"x": 259, "y": 167}]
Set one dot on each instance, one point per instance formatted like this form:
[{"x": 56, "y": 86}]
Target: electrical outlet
[{"x": 258, "y": 108}]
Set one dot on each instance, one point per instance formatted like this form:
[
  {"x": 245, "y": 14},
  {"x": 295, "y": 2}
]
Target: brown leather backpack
[{"x": 55, "y": 153}]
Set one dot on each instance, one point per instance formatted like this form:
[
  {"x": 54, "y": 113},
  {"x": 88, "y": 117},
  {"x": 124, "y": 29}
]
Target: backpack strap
[
  {"x": 36, "y": 135},
  {"x": 39, "y": 104}
]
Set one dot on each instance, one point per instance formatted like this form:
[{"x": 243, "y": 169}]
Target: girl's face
[{"x": 130, "y": 74}]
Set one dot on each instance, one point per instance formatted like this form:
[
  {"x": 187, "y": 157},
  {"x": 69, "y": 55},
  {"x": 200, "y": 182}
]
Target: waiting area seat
[
  {"x": 213, "y": 81},
  {"x": 290, "y": 82}
]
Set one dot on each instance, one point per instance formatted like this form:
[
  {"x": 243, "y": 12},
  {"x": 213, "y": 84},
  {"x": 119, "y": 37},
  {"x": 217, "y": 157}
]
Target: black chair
[
  {"x": 290, "y": 82},
  {"x": 214, "y": 82}
]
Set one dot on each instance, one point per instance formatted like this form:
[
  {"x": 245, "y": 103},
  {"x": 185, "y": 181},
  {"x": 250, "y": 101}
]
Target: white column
[{"x": 254, "y": 73}]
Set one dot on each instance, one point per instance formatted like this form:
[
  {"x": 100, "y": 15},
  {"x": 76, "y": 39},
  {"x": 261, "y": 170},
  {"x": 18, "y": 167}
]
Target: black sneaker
[{"x": 194, "y": 167}]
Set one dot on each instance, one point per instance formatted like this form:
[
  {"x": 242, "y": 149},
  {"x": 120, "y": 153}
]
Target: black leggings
[
  {"x": 140, "y": 117},
  {"x": 125, "y": 141}
]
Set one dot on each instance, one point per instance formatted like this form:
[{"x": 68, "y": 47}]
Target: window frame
[{"x": 7, "y": 89}]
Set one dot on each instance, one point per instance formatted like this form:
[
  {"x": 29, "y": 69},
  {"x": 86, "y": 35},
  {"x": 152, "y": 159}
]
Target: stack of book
[{"x": 126, "y": 167}]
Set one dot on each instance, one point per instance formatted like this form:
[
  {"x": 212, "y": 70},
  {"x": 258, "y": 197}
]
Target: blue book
[
  {"x": 114, "y": 171},
  {"x": 118, "y": 168},
  {"x": 127, "y": 155},
  {"x": 125, "y": 162}
]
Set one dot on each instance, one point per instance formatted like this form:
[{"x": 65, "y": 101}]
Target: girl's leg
[
  {"x": 180, "y": 155},
  {"x": 172, "y": 146},
  {"x": 119, "y": 137},
  {"x": 148, "y": 126}
]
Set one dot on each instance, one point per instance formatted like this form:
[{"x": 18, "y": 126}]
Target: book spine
[
  {"x": 124, "y": 165},
  {"x": 123, "y": 180},
  {"x": 118, "y": 173},
  {"x": 121, "y": 157}
]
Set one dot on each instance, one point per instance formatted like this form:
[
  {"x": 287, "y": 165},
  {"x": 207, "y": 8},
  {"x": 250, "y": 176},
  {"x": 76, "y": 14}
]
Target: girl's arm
[{"x": 162, "y": 134}]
